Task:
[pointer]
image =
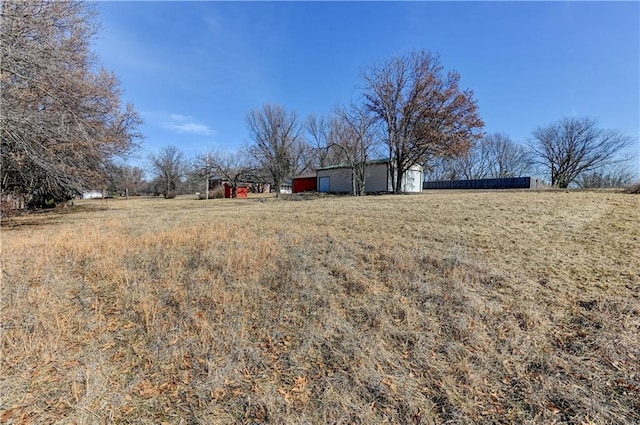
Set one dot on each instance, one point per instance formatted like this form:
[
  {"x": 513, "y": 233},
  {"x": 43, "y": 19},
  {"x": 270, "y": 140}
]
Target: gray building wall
[
  {"x": 377, "y": 179},
  {"x": 339, "y": 179}
]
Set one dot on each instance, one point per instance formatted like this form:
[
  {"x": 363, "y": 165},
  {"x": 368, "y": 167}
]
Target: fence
[{"x": 504, "y": 183}]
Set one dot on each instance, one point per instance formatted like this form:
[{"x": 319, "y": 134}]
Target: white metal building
[{"x": 337, "y": 178}]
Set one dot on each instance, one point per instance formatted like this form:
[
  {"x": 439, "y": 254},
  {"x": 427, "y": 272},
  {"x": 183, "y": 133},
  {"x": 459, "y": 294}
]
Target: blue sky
[{"x": 194, "y": 70}]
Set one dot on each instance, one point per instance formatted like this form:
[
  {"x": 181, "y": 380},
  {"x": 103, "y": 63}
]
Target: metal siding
[
  {"x": 304, "y": 184},
  {"x": 412, "y": 180},
  {"x": 376, "y": 178},
  {"x": 339, "y": 179},
  {"x": 503, "y": 183}
]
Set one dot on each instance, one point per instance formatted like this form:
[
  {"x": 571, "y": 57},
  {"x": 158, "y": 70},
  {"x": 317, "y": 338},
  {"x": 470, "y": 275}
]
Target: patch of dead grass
[{"x": 474, "y": 307}]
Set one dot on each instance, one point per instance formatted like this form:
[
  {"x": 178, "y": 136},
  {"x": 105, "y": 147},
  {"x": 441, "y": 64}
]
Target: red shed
[
  {"x": 241, "y": 191},
  {"x": 305, "y": 183}
]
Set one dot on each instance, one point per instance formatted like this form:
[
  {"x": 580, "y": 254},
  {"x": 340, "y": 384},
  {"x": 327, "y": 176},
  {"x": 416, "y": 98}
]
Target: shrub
[{"x": 634, "y": 188}]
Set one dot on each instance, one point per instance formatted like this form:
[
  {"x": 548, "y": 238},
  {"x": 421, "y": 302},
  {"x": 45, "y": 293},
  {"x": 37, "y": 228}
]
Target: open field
[{"x": 445, "y": 307}]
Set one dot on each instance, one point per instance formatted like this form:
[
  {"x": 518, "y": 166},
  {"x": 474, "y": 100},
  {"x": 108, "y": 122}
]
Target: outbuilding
[
  {"x": 337, "y": 178},
  {"x": 92, "y": 194},
  {"x": 241, "y": 191},
  {"x": 305, "y": 183}
]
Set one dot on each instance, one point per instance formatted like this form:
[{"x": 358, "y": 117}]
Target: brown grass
[{"x": 446, "y": 307}]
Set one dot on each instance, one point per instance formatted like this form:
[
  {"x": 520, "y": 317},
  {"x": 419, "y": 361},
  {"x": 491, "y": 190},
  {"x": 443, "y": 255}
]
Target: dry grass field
[{"x": 445, "y": 307}]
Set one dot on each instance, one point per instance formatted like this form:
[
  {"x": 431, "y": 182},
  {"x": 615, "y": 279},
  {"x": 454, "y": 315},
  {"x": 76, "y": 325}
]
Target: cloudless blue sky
[{"x": 195, "y": 69}]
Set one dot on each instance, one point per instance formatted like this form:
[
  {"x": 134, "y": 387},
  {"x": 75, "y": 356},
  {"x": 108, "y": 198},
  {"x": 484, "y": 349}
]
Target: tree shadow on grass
[{"x": 44, "y": 217}]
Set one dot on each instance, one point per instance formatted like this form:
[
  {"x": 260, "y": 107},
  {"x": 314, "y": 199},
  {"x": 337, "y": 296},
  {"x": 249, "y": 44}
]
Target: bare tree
[
  {"x": 61, "y": 122},
  {"x": 354, "y": 137},
  {"x": 127, "y": 179},
  {"x": 169, "y": 166},
  {"x": 276, "y": 134},
  {"x": 506, "y": 157},
  {"x": 441, "y": 168},
  {"x": 424, "y": 113},
  {"x": 572, "y": 146},
  {"x": 493, "y": 156},
  {"x": 476, "y": 163},
  {"x": 304, "y": 158},
  {"x": 348, "y": 138},
  {"x": 614, "y": 176},
  {"x": 323, "y": 134},
  {"x": 234, "y": 167},
  {"x": 318, "y": 128}
]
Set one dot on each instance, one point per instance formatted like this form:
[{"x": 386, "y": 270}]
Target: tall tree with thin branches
[
  {"x": 322, "y": 137},
  {"x": 126, "y": 179},
  {"x": 61, "y": 117},
  {"x": 276, "y": 134},
  {"x": 355, "y": 141},
  {"x": 615, "y": 176},
  {"x": 231, "y": 166},
  {"x": 424, "y": 112},
  {"x": 493, "y": 156},
  {"x": 169, "y": 166},
  {"x": 506, "y": 157},
  {"x": 572, "y": 146}
]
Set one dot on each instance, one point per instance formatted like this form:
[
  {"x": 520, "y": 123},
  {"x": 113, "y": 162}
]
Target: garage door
[{"x": 323, "y": 184}]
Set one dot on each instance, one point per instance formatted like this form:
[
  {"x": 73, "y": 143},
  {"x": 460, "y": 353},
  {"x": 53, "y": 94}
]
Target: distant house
[
  {"x": 286, "y": 188},
  {"x": 92, "y": 194},
  {"x": 337, "y": 178},
  {"x": 243, "y": 187},
  {"x": 11, "y": 202}
]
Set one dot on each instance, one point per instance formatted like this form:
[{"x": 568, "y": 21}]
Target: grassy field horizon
[{"x": 443, "y": 307}]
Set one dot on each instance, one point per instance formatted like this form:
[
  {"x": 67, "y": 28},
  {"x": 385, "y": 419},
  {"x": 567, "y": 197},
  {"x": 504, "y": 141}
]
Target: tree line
[
  {"x": 585, "y": 156},
  {"x": 352, "y": 137},
  {"x": 413, "y": 112},
  {"x": 64, "y": 128}
]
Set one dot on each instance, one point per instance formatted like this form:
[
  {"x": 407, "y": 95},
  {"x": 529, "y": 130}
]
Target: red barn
[{"x": 305, "y": 183}]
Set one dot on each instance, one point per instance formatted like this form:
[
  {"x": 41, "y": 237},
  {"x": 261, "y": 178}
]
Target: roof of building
[
  {"x": 370, "y": 162},
  {"x": 306, "y": 176}
]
